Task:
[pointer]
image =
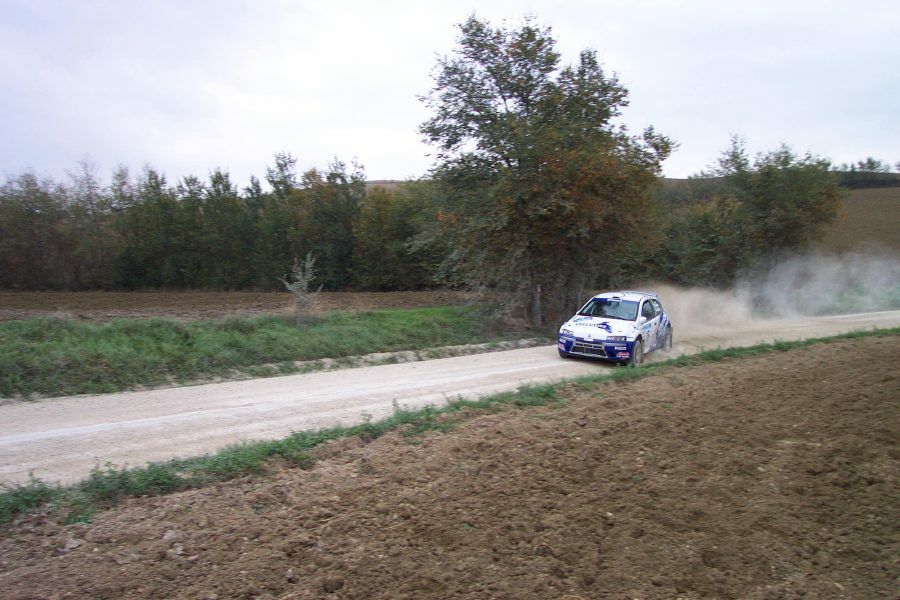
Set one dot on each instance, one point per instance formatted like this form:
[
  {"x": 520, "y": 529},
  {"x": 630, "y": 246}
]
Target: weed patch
[{"x": 25, "y": 497}]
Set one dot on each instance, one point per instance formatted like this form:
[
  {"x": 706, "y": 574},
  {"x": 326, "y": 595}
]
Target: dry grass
[{"x": 869, "y": 218}]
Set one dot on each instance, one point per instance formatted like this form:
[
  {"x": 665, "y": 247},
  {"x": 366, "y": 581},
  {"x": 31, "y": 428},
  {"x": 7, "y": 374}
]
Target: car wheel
[
  {"x": 669, "y": 340},
  {"x": 637, "y": 354}
]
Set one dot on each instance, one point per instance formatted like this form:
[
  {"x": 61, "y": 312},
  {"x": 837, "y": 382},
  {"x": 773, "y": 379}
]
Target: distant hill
[
  {"x": 390, "y": 185},
  {"x": 868, "y": 218},
  {"x": 868, "y": 179}
]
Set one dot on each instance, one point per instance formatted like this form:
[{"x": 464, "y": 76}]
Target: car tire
[
  {"x": 669, "y": 340},
  {"x": 637, "y": 354}
]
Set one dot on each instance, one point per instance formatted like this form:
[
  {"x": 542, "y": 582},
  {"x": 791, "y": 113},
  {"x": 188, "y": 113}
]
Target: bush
[
  {"x": 753, "y": 212},
  {"x": 298, "y": 283}
]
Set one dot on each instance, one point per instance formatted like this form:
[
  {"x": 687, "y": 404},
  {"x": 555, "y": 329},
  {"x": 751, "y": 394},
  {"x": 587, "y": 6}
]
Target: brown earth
[
  {"x": 768, "y": 477},
  {"x": 190, "y": 305},
  {"x": 869, "y": 220}
]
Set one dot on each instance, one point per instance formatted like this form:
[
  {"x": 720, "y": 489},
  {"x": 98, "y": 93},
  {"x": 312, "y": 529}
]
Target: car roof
[{"x": 627, "y": 295}]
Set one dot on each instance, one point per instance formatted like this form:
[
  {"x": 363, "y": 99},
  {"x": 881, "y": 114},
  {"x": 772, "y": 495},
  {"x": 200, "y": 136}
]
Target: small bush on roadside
[
  {"x": 24, "y": 497},
  {"x": 299, "y": 281}
]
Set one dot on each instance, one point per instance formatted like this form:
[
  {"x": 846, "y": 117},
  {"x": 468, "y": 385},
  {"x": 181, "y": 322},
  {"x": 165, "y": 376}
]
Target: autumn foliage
[{"x": 542, "y": 196}]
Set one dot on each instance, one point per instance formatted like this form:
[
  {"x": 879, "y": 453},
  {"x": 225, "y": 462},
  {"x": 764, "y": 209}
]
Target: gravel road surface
[{"x": 61, "y": 439}]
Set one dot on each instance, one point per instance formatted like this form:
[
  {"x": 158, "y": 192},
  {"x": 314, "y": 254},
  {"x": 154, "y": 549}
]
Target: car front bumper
[{"x": 602, "y": 349}]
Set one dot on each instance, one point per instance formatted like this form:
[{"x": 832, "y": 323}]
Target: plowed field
[
  {"x": 868, "y": 219},
  {"x": 768, "y": 477},
  {"x": 103, "y": 306}
]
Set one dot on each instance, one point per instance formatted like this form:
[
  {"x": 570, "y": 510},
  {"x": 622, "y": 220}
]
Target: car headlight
[
  {"x": 616, "y": 338},
  {"x": 564, "y": 331}
]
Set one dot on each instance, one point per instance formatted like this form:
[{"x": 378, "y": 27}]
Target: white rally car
[{"x": 617, "y": 326}]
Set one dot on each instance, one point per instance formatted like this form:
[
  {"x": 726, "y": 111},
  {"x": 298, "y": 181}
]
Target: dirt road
[
  {"x": 761, "y": 478},
  {"x": 63, "y": 438}
]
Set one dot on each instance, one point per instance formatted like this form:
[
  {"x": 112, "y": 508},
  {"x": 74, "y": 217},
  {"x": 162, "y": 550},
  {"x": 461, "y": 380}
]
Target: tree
[
  {"x": 872, "y": 165},
  {"x": 785, "y": 199},
  {"x": 194, "y": 237},
  {"x": 383, "y": 254},
  {"x": 35, "y": 241},
  {"x": 283, "y": 176},
  {"x": 121, "y": 190},
  {"x": 760, "y": 209},
  {"x": 96, "y": 243},
  {"x": 331, "y": 202},
  {"x": 153, "y": 235},
  {"x": 299, "y": 281},
  {"x": 867, "y": 173},
  {"x": 544, "y": 196},
  {"x": 230, "y": 232}
]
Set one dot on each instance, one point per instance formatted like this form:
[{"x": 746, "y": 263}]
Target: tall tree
[
  {"x": 758, "y": 210},
  {"x": 152, "y": 231},
  {"x": 331, "y": 201},
  {"x": 96, "y": 243},
  {"x": 35, "y": 240},
  {"x": 277, "y": 223},
  {"x": 230, "y": 233},
  {"x": 384, "y": 256},
  {"x": 544, "y": 196},
  {"x": 193, "y": 236},
  {"x": 283, "y": 176}
]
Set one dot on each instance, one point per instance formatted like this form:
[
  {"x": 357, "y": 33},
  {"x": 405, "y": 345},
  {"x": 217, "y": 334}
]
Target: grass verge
[
  {"x": 706, "y": 356},
  {"x": 53, "y": 356},
  {"x": 107, "y": 486}
]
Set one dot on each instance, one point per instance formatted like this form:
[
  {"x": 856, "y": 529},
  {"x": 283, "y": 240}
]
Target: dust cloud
[{"x": 812, "y": 284}]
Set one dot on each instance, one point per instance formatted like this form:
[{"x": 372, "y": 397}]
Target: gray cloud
[{"x": 188, "y": 86}]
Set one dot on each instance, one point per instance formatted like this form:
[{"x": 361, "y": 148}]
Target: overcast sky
[{"x": 188, "y": 85}]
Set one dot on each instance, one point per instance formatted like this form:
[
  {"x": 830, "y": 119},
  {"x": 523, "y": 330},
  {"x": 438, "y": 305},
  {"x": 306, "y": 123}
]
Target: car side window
[
  {"x": 656, "y": 307},
  {"x": 647, "y": 311}
]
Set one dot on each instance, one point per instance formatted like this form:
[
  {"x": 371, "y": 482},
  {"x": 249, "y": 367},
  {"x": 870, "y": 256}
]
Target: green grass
[
  {"x": 107, "y": 486},
  {"x": 727, "y": 353},
  {"x": 52, "y": 356}
]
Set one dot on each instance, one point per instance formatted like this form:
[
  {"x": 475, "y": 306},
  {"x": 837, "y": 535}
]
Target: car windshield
[{"x": 611, "y": 308}]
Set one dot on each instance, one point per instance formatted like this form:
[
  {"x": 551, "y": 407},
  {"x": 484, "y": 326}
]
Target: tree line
[
  {"x": 537, "y": 196},
  {"x": 868, "y": 173},
  {"x": 142, "y": 232}
]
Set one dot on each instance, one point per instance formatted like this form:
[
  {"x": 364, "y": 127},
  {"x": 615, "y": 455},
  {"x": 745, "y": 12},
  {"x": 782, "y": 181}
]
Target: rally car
[{"x": 617, "y": 326}]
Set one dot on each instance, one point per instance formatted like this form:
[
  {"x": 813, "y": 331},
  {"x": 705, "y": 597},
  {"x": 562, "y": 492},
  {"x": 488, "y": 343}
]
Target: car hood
[{"x": 599, "y": 328}]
